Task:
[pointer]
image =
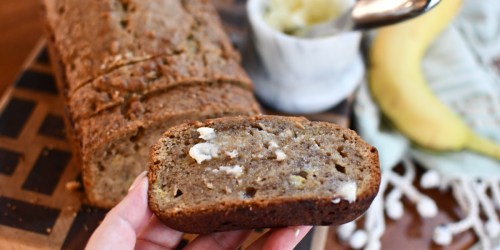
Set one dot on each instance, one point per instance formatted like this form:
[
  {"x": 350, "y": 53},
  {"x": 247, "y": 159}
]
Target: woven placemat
[{"x": 40, "y": 195}]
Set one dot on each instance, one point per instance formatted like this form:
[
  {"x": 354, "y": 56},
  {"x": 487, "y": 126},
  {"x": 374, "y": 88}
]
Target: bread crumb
[
  {"x": 206, "y": 133},
  {"x": 48, "y": 230},
  {"x": 72, "y": 186},
  {"x": 203, "y": 152},
  {"x": 70, "y": 208},
  {"x": 233, "y": 154},
  {"x": 34, "y": 200},
  {"x": 280, "y": 155}
]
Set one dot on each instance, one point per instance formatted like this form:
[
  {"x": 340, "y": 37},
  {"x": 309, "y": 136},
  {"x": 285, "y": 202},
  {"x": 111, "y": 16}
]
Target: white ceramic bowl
[{"x": 298, "y": 75}]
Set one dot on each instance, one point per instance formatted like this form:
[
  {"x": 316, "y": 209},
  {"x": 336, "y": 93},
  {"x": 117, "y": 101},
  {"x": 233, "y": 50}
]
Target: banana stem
[{"x": 483, "y": 146}]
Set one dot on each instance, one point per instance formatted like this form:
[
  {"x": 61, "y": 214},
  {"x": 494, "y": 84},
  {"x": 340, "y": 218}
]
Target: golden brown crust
[{"x": 261, "y": 212}]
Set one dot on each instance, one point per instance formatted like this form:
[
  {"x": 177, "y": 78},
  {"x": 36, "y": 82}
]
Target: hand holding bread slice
[{"x": 258, "y": 172}]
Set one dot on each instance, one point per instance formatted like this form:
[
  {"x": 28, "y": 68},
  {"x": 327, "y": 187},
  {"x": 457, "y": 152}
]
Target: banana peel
[{"x": 398, "y": 85}]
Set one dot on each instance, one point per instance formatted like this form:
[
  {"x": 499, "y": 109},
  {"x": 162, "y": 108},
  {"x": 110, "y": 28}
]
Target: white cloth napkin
[{"x": 463, "y": 69}]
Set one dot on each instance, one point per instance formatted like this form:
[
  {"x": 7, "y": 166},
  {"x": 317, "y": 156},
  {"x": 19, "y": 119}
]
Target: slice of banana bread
[{"x": 258, "y": 172}]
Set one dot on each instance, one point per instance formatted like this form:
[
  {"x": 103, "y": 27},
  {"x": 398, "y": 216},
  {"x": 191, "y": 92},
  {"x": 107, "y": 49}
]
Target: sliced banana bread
[{"x": 257, "y": 172}]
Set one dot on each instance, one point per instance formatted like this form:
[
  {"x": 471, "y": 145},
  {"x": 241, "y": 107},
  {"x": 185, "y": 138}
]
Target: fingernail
[
  {"x": 297, "y": 232},
  {"x": 137, "y": 180}
]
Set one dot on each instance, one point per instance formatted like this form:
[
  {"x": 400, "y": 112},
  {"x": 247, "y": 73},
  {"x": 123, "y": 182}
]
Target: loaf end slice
[{"x": 258, "y": 172}]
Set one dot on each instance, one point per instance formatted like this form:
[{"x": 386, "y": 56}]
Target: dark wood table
[{"x": 20, "y": 29}]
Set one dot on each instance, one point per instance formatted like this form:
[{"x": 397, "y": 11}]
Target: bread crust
[
  {"x": 150, "y": 77},
  {"x": 262, "y": 212}
]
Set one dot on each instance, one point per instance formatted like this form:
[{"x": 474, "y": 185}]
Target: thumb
[{"x": 120, "y": 227}]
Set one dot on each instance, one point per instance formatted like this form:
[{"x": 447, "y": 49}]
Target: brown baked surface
[
  {"x": 95, "y": 37},
  {"x": 269, "y": 191},
  {"x": 148, "y": 77},
  {"x": 128, "y": 70}
]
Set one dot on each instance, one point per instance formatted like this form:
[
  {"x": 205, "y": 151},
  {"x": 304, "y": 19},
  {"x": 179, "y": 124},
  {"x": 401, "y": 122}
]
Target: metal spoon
[{"x": 369, "y": 14}]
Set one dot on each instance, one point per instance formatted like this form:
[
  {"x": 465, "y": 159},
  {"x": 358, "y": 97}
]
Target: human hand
[{"x": 131, "y": 225}]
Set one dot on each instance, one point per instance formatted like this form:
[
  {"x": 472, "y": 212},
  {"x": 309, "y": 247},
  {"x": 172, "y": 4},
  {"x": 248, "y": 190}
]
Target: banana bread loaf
[
  {"x": 257, "y": 172},
  {"x": 128, "y": 70}
]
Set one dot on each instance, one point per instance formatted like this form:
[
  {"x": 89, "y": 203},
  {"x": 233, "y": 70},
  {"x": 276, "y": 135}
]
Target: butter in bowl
[{"x": 301, "y": 75}]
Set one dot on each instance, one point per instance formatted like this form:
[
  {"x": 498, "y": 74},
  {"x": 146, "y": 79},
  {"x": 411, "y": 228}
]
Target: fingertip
[
  {"x": 281, "y": 238},
  {"x": 137, "y": 180},
  {"x": 220, "y": 240},
  {"x": 301, "y": 231},
  {"x": 134, "y": 206},
  {"x": 124, "y": 222}
]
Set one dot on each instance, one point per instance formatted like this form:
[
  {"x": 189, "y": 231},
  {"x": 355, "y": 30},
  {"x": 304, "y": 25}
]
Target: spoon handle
[{"x": 369, "y": 14}]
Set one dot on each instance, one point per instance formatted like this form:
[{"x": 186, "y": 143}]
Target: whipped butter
[
  {"x": 204, "y": 151},
  {"x": 346, "y": 190},
  {"x": 291, "y": 15},
  {"x": 206, "y": 133}
]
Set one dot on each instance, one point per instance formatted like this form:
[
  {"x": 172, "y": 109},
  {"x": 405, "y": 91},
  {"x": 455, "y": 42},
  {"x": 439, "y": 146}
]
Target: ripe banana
[{"x": 398, "y": 85}]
